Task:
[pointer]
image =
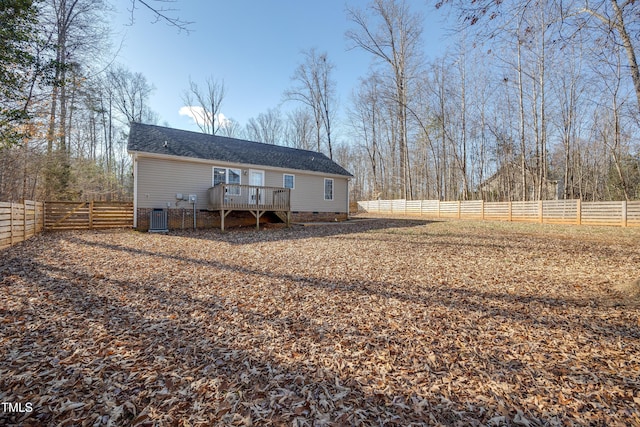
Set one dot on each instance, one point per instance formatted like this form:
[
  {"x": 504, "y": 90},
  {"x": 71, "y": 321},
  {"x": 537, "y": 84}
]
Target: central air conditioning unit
[{"x": 158, "y": 221}]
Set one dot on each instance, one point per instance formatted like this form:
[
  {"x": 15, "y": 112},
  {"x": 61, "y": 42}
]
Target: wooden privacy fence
[
  {"x": 624, "y": 214},
  {"x": 19, "y": 221},
  {"x": 87, "y": 215}
]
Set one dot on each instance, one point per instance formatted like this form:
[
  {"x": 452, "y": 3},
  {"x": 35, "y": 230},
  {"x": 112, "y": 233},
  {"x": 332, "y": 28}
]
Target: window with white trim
[
  {"x": 328, "y": 188},
  {"x": 227, "y": 176},
  {"x": 288, "y": 181}
]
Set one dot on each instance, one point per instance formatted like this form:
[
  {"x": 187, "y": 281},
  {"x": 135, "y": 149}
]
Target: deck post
[
  {"x": 257, "y": 208},
  {"x": 222, "y": 219}
]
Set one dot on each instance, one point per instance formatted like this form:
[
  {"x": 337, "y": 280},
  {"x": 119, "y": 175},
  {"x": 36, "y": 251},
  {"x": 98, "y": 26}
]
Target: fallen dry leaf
[{"x": 381, "y": 322}]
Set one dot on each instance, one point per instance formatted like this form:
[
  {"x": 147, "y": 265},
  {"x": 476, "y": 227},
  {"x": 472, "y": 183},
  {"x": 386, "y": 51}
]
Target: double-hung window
[
  {"x": 328, "y": 189},
  {"x": 227, "y": 176},
  {"x": 289, "y": 181}
]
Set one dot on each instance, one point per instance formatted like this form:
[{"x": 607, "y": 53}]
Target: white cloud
[
  {"x": 199, "y": 115},
  {"x": 223, "y": 120}
]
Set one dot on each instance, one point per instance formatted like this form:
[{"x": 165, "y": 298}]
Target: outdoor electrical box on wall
[{"x": 193, "y": 198}]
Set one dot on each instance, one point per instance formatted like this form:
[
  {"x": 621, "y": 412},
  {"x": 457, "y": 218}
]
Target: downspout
[
  {"x": 135, "y": 191},
  {"x": 348, "y": 201}
]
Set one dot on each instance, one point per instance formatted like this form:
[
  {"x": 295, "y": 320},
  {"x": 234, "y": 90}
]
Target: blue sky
[{"x": 253, "y": 45}]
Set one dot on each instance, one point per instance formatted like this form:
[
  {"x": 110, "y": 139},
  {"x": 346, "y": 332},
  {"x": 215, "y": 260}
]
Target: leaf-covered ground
[{"x": 383, "y": 322}]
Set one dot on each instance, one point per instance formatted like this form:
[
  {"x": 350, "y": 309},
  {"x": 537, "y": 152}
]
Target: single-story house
[{"x": 194, "y": 179}]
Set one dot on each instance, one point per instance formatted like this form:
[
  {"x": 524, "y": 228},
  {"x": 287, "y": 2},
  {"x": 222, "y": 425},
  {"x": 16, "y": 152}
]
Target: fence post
[
  {"x": 35, "y": 217},
  {"x": 579, "y": 211},
  {"x": 24, "y": 219},
  {"x": 438, "y": 208},
  {"x": 11, "y": 223},
  {"x": 459, "y": 204},
  {"x": 540, "y": 212},
  {"x": 624, "y": 213},
  {"x": 421, "y": 206},
  {"x": 91, "y": 215},
  {"x": 482, "y": 208},
  {"x": 510, "y": 211}
]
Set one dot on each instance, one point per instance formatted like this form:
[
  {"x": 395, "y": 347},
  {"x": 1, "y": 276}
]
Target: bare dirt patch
[{"x": 384, "y": 322}]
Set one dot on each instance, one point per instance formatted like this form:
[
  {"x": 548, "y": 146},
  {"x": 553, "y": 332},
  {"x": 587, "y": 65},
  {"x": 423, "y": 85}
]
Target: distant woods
[
  {"x": 64, "y": 111},
  {"x": 531, "y": 100}
]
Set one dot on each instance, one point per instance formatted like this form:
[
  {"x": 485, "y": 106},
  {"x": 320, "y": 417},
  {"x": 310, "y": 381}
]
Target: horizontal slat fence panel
[
  {"x": 414, "y": 207},
  {"x": 398, "y": 206},
  {"x": 385, "y": 206},
  {"x": 633, "y": 213},
  {"x": 497, "y": 211},
  {"x": 88, "y": 215},
  {"x": 20, "y": 221},
  {"x": 110, "y": 215},
  {"x": 602, "y": 213},
  {"x": 525, "y": 211},
  {"x": 625, "y": 214},
  {"x": 66, "y": 215},
  {"x": 560, "y": 211},
  {"x": 448, "y": 209},
  {"x": 471, "y": 209},
  {"x": 430, "y": 207}
]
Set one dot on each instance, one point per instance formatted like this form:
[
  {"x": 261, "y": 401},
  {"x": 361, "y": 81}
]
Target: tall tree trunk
[
  {"x": 523, "y": 148},
  {"x": 627, "y": 42}
]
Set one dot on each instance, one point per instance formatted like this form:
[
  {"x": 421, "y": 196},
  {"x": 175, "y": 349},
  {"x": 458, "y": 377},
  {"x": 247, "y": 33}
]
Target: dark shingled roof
[{"x": 152, "y": 139}]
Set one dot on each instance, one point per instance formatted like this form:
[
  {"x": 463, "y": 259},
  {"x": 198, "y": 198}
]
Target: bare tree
[
  {"x": 366, "y": 121},
  {"x": 267, "y": 127},
  {"x": 300, "y": 129},
  {"x": 316, "y": 89},
  {"x": 130, "y": 93},
  {"x": 76, "y": 31},
  {"x": 161, "y": 12},
  {"x": 617, "y": 20},
  {"x": 389, "y": 31},
  {"x": 231, "y": 128},
  {"x": 204, "y": 104}
]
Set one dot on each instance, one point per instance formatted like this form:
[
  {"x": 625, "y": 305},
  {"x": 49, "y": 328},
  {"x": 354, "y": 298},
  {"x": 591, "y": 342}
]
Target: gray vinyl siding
[
  {"x": 160, "y": 179},
  {"x": 308, "y": 195}
]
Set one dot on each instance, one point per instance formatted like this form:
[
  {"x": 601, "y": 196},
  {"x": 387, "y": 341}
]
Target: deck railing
[{"x": 249, "y": 198}]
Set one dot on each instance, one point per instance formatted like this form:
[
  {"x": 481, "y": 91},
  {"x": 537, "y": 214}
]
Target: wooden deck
[{"x": 256, "y": 199}]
